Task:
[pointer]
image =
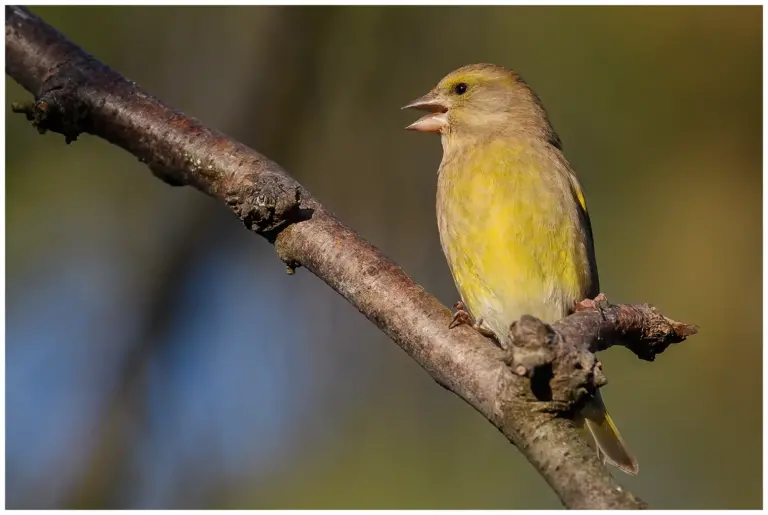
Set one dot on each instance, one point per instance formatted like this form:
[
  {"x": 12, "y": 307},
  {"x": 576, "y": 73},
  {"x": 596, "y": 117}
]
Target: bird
[{"x": 512, "y": 216}]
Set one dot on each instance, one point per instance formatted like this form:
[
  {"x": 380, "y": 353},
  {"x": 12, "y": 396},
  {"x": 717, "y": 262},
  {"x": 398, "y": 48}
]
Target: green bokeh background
[{"x": 659, "y": 109}]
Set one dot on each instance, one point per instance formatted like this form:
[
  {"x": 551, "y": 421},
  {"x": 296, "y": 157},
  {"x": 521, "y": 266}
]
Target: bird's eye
[{"x": 460, "y": 88}]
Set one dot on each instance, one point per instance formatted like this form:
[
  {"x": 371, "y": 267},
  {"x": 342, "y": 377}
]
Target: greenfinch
[{"x": 511, "y": 214}]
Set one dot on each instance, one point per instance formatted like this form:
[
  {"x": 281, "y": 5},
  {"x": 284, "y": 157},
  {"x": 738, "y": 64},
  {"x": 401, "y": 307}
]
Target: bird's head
[{"x": 478, "y": 99}]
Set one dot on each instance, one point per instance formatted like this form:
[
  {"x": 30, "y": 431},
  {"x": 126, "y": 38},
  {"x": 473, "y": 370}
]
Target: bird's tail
[{"x": 610, "y": 447}]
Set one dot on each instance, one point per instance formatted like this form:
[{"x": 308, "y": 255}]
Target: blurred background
[{"x": 158, "y": 356}]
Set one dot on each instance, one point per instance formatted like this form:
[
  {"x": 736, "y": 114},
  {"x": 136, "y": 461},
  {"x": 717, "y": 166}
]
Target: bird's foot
[
  {"x": 589, "y": 304},
  {"x": 462, "y": 317}
]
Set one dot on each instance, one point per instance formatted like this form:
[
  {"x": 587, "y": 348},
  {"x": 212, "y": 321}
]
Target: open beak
[{"x": 435, "y": 120}]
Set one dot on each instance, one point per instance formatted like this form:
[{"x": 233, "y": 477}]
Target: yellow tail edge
[{"x": 610, "y": 446}]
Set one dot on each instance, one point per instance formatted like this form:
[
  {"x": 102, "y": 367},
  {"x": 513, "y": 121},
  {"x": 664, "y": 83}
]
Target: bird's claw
[
  {"x": 590, "y": 304},
  {"x": 462, "y": 317}
]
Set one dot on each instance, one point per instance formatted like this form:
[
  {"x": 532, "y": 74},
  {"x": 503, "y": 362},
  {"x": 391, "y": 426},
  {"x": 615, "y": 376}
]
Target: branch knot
[
  {"x": 269, "y": 206},
  {"x": 559, "y": 371},
  {"x": 48, "y": 113}
]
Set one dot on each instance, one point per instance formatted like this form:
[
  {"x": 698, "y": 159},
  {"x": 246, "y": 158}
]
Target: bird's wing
[{"x": 594, "y": 287}]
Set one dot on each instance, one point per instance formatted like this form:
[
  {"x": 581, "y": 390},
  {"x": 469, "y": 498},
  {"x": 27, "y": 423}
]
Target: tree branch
[{"x": 75, "y": 93}]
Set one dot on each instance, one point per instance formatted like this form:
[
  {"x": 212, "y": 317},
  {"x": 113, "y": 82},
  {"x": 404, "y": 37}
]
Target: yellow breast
[{"x": 511, "y": 232}]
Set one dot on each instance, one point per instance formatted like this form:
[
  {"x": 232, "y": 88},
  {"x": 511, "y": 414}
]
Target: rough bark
[{"x": 528, "y": 394}]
